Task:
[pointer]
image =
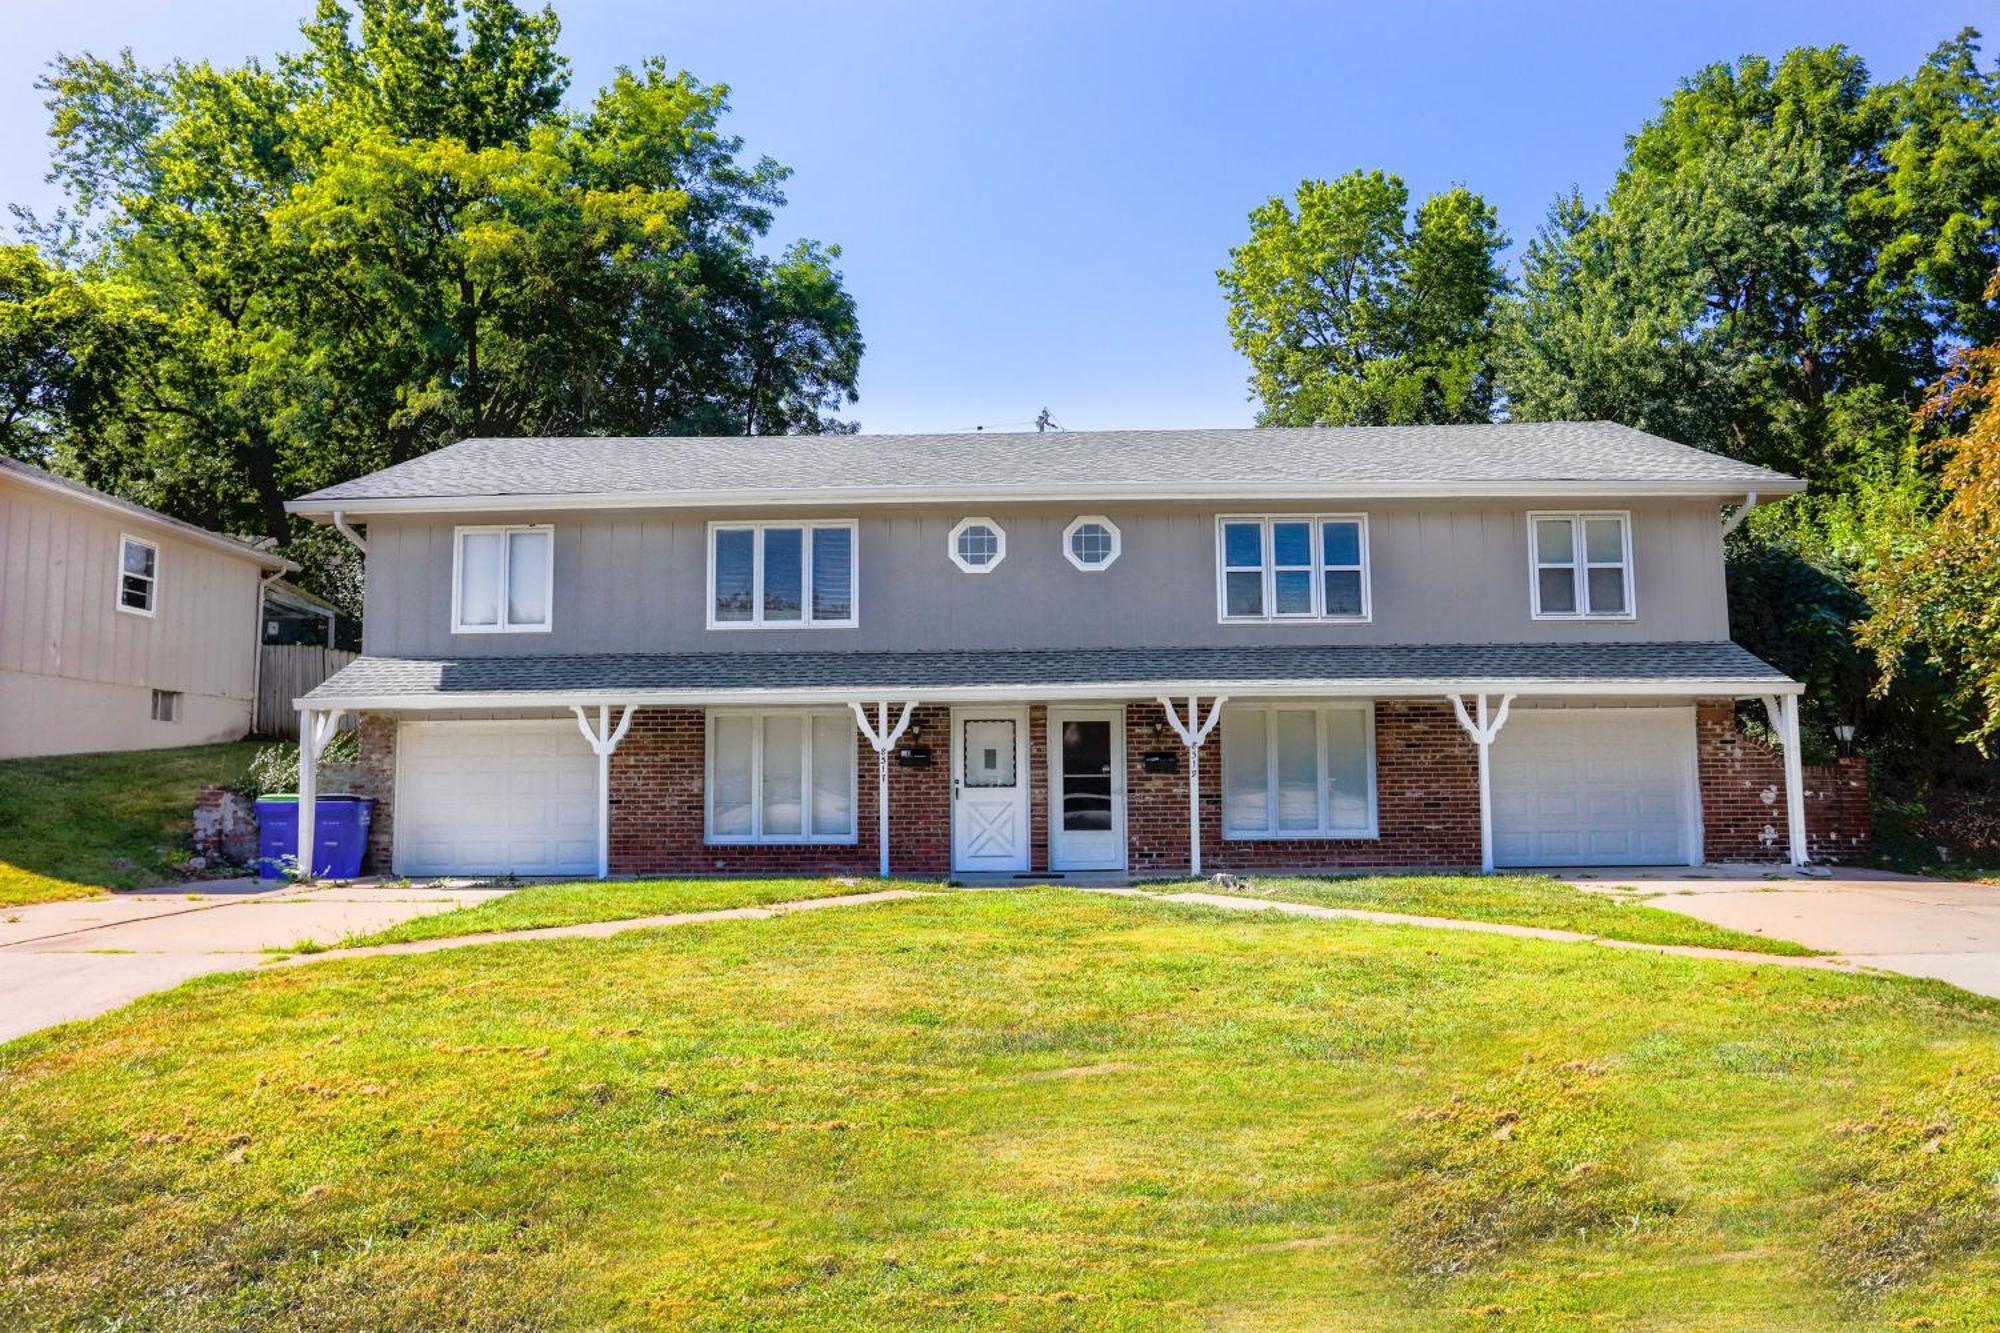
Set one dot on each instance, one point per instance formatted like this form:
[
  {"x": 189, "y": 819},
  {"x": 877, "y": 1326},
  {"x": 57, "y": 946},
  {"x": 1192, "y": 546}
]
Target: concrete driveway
[
  {"x": 69, "y": 960},
  {"x": 1940, "y": 928}
]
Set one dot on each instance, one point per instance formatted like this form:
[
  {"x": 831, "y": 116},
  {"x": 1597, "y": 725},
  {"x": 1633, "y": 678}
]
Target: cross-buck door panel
[{"x": 989, "y": 814}]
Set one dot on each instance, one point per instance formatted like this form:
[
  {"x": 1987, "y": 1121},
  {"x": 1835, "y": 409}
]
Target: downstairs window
[
  {"x": 1298, "y": 771},
  {"x": 781, "y": 776}
]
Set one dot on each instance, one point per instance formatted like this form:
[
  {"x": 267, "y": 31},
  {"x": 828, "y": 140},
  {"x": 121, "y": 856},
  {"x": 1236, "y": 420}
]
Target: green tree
[
  {"x": 1940, "y": 596},
  {"x": 1785, "y": 261},
  {"x": 1353, "y": 313},
  {"x": 398, "y": 237}
]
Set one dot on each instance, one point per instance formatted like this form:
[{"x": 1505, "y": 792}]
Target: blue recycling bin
[{"x": 340, "y": 834}]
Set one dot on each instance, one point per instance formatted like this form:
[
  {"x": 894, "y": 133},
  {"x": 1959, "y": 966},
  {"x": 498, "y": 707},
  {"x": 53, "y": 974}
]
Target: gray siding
[
  {"x": 635, "y": 581},
  {"x": 59, "y": 618}
]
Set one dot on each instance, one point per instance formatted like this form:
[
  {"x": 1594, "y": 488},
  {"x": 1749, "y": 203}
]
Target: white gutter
[
  {"x": 336, "y": 510},
  {"x": 1284, "y": 689}
]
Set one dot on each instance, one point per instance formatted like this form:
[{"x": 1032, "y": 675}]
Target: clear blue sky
[{"x": 1033, "y": 196}]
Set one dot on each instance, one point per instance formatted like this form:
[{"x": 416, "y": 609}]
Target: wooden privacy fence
[{"x": 287, "y": 671}]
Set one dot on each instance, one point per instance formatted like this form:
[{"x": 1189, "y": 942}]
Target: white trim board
[
  {"x": 1122, "y": 690},
  {"x": 1289, "y": 493}
]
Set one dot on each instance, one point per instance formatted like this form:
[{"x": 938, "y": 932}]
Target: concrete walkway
[
  {"x": 1946, "y": 929},
  {"x": 64, "y": 961},
  {"x": 70, "y": 960}
]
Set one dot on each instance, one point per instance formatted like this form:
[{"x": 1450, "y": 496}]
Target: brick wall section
[
  {"x": 657, "y": 808},
  {"x": 1038, "y": 788},
  {"x": 373, "y": 773},
  {"x": 225, "y": 826},
  {"x": 1427, "y": 785},
  {"x": 1743, "y": 796}
]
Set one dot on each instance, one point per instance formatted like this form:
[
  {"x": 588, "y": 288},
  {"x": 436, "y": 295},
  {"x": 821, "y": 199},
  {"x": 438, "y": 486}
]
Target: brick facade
[
  {"x": 1426, "y": 775},
  {"x": 657, "y": 808},
  {"x": 1427, "y": 795},
  {"x": 1743, "y": 796}
]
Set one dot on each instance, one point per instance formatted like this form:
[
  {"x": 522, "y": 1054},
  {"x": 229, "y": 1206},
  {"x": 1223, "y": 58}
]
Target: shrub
[{"x": 275, "y": 768}]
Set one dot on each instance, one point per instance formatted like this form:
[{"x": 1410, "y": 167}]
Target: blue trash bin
[{"x": 340, "y": 835}]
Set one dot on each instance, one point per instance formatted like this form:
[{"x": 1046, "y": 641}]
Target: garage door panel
[
  {"x": 1594, "y": 786},
  {"x": 495, "y": 798}
]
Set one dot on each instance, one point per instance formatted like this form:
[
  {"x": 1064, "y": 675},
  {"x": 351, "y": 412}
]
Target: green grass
[
  {"x": 1517, "y": 900},
  {"x": 72, "y": 826},
  {"x": 1016, "y": 1109},
  {"x": 540, "y": 905}
]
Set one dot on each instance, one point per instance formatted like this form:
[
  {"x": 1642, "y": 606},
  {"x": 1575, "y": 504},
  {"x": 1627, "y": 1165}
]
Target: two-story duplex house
[{"x": 1132, "y": 652}]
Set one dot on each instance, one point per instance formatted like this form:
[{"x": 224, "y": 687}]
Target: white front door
[
  {"x": 1596, "y": 786},
  {"x": 989, "y": 788},
  {"x": 1086, "y": 789}
]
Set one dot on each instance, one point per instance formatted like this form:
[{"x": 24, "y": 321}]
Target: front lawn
[
  {"x": 1019, "y": 1108},
  {"x": 72, "y": 826},
  {"x": 541, "y": 905},
  {"x": 1518, "y": 900}
]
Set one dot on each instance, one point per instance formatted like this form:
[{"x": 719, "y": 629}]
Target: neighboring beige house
[{"x": 120, "y": 628}]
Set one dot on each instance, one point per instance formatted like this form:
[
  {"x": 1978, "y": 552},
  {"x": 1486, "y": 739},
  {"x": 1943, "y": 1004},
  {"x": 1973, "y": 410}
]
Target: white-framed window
[
  {"x": 977, "y": 545},
  {"x": 781, "y": 775},
  {"x": 1091, "y": 543},
  {"x": 1580, "y": 565},
  {"x": 502, "y": 579},
  {"x": 166, "y": 705},
  {"x": 1275, "y": 568},
  {"x": 782, "y": 575},
  {"x": 1298, "y": 770},
  {"x": 138, "y": 575}
]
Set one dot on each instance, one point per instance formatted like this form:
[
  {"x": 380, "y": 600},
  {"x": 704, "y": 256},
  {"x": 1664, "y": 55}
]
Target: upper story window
[
  {"x": 781, "y": 575},
  {"x": 1091, "y": 543},
  {"x": 501, "y": 579},
  {"x": 1581, "y": 566},
  {"x": 977, "y": 545},
  {"x": 138, "y": 575},
  {"x": 1292, "y": 568}
]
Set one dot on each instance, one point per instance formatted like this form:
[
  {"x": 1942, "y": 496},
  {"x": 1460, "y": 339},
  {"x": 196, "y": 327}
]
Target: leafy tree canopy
[
  {"x": 269, "y": 278},
  {"x": 1353, "y": 313}
]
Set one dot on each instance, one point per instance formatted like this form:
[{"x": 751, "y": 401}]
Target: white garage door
[
  {"x": 495, "y": 798},
  {"x": 1595, "y": 786}
]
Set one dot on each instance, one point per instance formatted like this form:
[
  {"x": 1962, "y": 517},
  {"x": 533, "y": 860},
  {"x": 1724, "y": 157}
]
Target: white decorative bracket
[
  {"x": 882, "y": 738},
  {"x": 1194, "y": 734},
  {"x": 1483, "y": 730},
  {"x": 603, "y": 740}
]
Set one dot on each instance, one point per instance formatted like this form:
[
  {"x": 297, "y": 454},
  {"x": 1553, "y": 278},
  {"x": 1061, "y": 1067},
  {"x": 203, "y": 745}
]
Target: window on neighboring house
[
  {"x": 138, "y": 575},
  {"x": 166, "y": 705},
  {"x": 1298, "y": 771},
  {"x": 1091, "y": 543},
  {"x": 1306, "y": 568},
  {"x": 977, "y": 545},
  {"x": 1582, "y": 566},
  {"x": 785, "y": 776},
  {"x": 502, "y": 579},
  {"x": 780, "y": 575}
]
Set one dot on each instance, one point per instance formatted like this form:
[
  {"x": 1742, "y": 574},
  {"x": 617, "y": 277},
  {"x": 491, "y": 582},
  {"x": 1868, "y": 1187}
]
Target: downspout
[
  {"x": 341, "y": 525},
  {"x": 257, "y": 649},
  {"x": 1742, "y": 511}
]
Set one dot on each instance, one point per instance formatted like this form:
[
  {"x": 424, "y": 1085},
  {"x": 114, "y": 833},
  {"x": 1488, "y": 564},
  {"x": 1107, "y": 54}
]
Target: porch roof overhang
[{"x": 751, "y": 677}]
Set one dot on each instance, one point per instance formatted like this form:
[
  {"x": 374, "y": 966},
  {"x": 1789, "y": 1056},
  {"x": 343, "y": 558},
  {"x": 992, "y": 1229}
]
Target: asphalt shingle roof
[
  {"x": 1113, "y": 461},
  {"x": 609, "y": 675}
]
